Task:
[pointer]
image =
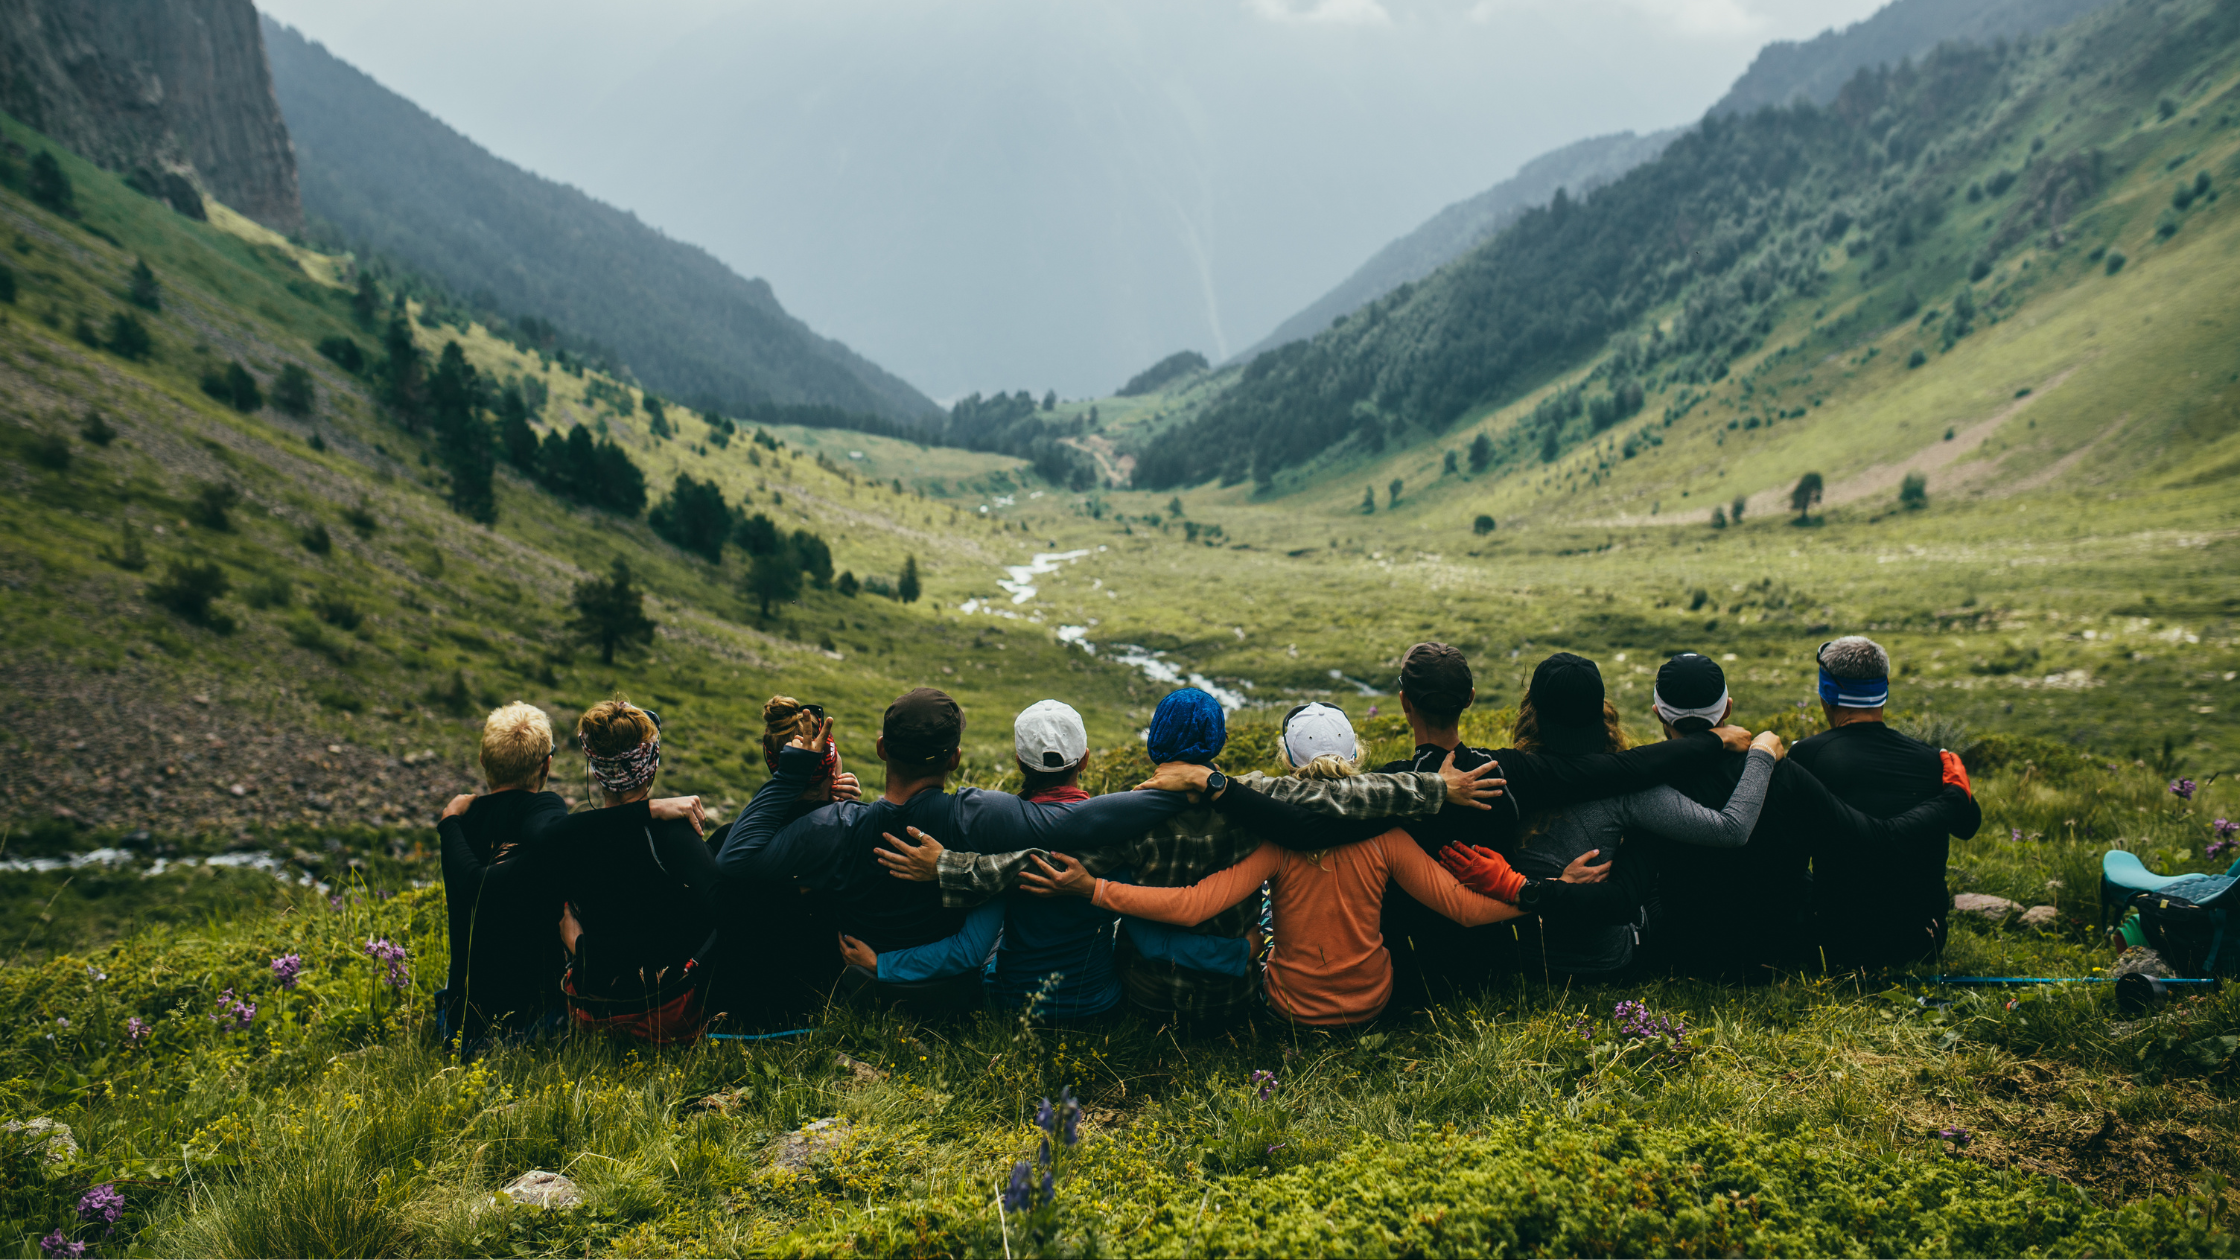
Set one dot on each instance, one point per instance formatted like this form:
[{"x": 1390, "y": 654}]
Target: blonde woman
[{"x": 1329, "y": 966}]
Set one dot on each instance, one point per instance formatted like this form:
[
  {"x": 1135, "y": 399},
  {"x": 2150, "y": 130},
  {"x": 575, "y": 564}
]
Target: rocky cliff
[{"x": 159, "y": 89}]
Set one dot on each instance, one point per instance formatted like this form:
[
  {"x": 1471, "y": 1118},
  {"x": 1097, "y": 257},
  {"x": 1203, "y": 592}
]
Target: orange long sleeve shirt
[{"x": 1330, "y": 966}]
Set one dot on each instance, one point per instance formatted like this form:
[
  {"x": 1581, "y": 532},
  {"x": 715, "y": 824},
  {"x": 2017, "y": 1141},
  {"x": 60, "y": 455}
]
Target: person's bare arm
[{"x": 688, "y": 808}]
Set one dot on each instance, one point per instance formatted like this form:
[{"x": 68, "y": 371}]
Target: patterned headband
[{"x": 625, "y": 772}]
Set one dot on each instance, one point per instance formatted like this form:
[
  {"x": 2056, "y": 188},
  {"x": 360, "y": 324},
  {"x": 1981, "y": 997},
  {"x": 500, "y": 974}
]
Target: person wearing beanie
[
  {"x": 1737, "y": 913},
  {"x": 1199, "y": 978},
  {"x": 1432, "y": 956},
  {"x": 1876, "y": 906},
  {"x": 1328, "y": 965}
]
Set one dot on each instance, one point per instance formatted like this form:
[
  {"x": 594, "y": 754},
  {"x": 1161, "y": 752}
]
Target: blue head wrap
[
  {"x": 1853, "y": 693},
  {"x": 1187, "y": 726}
]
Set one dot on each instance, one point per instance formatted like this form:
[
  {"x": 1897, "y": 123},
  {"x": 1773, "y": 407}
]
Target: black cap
[
  {"x": 1691, "y": 680},
  {"x": 921, "y": 727},
  {"x": 1567, "y": 692},
  {"x": 1436, "y": 680}
]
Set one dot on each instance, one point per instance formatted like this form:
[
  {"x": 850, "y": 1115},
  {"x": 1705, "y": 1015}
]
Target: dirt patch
[
  {"x": 128, "y": 751},
  {"x": 2057, "y": 1121}
]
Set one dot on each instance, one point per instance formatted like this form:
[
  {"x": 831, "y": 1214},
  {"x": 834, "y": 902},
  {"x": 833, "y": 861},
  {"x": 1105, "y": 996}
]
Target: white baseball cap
[
  {"x": 1048, "y": 735},
  {"x": 1317, "y": 729}
]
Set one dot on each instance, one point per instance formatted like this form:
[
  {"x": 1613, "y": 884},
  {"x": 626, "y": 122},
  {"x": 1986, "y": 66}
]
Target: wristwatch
[{"x": 1216, "y": 783}]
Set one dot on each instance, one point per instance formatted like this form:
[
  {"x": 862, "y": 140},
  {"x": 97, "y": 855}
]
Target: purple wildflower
[
  {"x": 2184, "y": 789},
  {"x": 1049, "y": 1186},
  {"x": 1062, "y": 1120},
  {"x": 383, "y": 950},
  {"x": 62, "y": 1021},
  {"x": 1637, "y": 1023},
  {"x": 95, "y": 974},
  {"x": 335, "y": 901},
  {"x": 285, "y": 969},
  {"x": 135, "y": 1028},
  {"x": 233, "y": 1014},
  {"x": 102, "y": 1203},
  {"x": 1266, "y": 1083},
  {"x": 1018, "y": 1196},
  {"x": 1372, "y": 710},
  {"x": 2015, "y": 834},
  {"x": 2224, "y": 843},
  {"x": 1955, "y": 1135},
  {"x": 55, "y": 1245}
]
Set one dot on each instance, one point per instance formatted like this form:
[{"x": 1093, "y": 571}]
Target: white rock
[
  {"x": 50, "y": 1137},
  {"x": 797, "y": 1149},
  {"x": 2039, "y": 917},
  {"x": 2141, "y": 960},
  {"x": 538, "y": 1188},
  {"x": 1985, "y": 905}
]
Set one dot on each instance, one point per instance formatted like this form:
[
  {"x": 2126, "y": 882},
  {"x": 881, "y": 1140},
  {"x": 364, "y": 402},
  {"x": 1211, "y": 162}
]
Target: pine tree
[
  {"x": 294, "y": 393},
  {"x": 1741, "y": 504},
  {"x": 1481, "y": 453},
  {"x": 50, "y": 187},
  {"x": 144, "y": 291},
  {"x": 463, "y": 439},
  {"x": 906, "y": 588},
  {"x": 774, "y": 577},
  {"x": 1449, "y": 467},
  {"x": 1394, "y": 491},
  {"x": 610, "y": 612},
  {"x": 1368, "y": 500},
  {"x": 1913, "y": 493},
  {"x": 1805, "y": 495},
  {"x": 365, "y": 304}
]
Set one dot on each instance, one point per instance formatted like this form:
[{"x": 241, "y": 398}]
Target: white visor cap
[
  {"x": 1318, "y": 730},
  {"x": 1048, "y": 735}
]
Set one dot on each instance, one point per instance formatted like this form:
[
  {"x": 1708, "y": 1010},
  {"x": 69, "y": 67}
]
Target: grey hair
[{"x": 1855, "y": 656}]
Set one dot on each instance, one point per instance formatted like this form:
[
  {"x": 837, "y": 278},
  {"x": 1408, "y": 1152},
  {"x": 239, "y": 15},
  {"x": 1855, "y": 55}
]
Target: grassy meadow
[{"x": 188, "y": 799}]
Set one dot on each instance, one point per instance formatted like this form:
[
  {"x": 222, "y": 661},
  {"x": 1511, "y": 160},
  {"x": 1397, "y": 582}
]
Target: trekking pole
[
  {"x": 790, "y": 1032},
  {"x": 2048, "y": 980}
]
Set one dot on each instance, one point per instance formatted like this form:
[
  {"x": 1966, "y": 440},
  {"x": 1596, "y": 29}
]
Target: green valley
[{"x": 1954, "y": 361}]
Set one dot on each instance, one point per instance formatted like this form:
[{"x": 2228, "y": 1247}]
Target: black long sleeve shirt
[
  {"x": 1865, "y": 889},
  {"x": 1539, "y": 781},
  {"x": 645, "y": 892},
  {"x": 503, "y": 912}
]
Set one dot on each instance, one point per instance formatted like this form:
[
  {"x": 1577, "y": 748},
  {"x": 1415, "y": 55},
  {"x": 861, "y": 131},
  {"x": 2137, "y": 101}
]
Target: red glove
[
  {"x": 1955, "y": 773},
  {"x": 1482, "y": 871}
]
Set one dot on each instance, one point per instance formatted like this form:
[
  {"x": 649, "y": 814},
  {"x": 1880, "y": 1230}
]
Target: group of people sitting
[{"x": 1322, "y": 897}]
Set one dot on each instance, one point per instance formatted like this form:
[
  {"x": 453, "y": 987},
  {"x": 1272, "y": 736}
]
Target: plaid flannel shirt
[{"x": 1186, "y": 848}]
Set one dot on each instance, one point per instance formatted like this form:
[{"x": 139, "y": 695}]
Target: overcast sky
[{"x": 1002, "y": 194}]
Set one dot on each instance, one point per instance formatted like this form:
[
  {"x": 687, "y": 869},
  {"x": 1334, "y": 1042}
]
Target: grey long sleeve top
[{"x": 1590, "y": 825}]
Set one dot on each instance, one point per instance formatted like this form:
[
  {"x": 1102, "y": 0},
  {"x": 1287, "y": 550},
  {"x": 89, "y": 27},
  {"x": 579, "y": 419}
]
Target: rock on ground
[
  {"x": 2139, "y": 960},
  {"x": 2040, "y": 917},
  {"x": 538, "y": 1188},
  {"x": 1984, "y": 905},
  {"x": 795, "y": 1150}
]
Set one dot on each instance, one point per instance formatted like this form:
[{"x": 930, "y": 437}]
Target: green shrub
[
  {"x": 50, "y": 451},
  {"x": 273, "y": 591},
  {"x": 129, "y": 338},
  {"x": 336, "y": 609},
  {"x": 187, "y": 588},
  {"x": 213, "y": 504}
]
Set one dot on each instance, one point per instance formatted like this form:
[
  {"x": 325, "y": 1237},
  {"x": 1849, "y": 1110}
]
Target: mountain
[
  {"x": 1783, "y": 70},
  {"x": 1965, "y": 177},
  {"x": 156, "y": 88},
  {"x": 1818, "y": 68},
  {"x": 1463, "y": 226},
  {"x": 396, "y": 181}
]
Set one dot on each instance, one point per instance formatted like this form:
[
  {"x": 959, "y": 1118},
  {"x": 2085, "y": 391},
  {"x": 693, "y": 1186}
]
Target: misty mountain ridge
[
  {"x": 395, "y": 180},
  {"x": 1784, "y": 70}
]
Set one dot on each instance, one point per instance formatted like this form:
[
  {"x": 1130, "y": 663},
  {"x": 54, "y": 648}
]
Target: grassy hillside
[{"x": 412, "y": 619}]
